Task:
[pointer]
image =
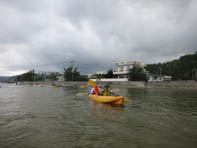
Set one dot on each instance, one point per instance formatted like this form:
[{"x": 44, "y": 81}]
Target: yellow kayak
[
  {"x": 83, "y": 86},
  {"x": 107, "y": 99},
  {"x": 54, "y": 86}
]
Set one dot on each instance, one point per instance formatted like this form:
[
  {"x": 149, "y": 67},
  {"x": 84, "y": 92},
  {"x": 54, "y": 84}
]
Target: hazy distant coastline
[{"x": 129, "y": 84}]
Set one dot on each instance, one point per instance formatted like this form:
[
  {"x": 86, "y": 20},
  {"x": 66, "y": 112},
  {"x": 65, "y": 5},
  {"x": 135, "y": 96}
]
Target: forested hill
[
  {"x": 6, "y": 79},
  {"x": 185, "y": 68}
]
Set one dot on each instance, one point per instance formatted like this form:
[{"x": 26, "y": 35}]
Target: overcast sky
[{"x": 47, "y": 34}]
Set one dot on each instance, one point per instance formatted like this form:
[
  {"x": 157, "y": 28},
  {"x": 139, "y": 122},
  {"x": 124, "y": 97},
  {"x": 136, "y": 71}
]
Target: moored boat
[{"x": 107, "y": 99}]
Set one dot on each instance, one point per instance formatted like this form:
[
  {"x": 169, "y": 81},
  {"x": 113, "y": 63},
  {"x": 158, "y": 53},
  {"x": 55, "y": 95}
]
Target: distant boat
[
  {"x": 54, "y": 86},
  {"x": 83, "y": 86}
]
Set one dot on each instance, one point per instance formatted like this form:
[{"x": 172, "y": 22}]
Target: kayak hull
[
  {"x": 83, "y": 87},
  {"x": 54, "y": 86},
  {"x": 107, "y": 99}
]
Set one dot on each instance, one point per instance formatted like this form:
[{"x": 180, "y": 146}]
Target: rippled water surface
[{"x": 44, "y": 117}]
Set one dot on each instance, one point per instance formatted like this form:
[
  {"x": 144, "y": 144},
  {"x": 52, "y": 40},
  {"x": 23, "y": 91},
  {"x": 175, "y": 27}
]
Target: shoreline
[{"x": 129, "y": 84}]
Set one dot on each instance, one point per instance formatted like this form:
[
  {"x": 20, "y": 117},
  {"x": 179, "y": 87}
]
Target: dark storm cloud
[{"x": 95, "y": 34}]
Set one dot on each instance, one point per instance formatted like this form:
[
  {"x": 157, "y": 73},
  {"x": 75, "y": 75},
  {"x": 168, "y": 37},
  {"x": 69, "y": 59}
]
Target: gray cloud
[{"x": 95, "y": 34}]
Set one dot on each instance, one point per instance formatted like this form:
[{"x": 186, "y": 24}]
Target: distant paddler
[
  {"x": 53, "y": 85},
  {"x": 83, "y": 86},
  {"x": 75, "y": 85}
]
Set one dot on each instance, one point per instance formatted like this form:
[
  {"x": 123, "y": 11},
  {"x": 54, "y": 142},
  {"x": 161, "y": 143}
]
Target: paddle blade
[
  {"x": 92, "y": 83},
  {"x": 127, "y": 100}
]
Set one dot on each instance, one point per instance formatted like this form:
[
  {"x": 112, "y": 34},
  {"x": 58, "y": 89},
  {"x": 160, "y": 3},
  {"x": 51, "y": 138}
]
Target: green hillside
[{"x": 184, "y": 68}]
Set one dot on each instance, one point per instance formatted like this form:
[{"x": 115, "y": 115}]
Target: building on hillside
[
  {"x": 60, "y": 78},
  {"x": 100, "y": 73},
  {"x": 90, "y": 76},
  {"x": 122, "y": 72},
  {"x": 122, "y": 68},
  {"x": 158, "y": 78},
  {"x": 96, "y": 75}
]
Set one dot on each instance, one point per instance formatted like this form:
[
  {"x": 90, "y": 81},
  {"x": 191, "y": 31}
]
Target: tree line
[
  {"x": 70, "y": 74},
  {"x": 184, "y": 68}
]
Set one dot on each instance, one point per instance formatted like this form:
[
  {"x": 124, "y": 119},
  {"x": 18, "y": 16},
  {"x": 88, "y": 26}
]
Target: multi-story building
[
  {"x": 122, "y": 72},
  {"x": 122, "y": 68}
]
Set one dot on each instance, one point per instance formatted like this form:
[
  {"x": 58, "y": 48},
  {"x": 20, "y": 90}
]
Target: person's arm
[
  {"x": 111, "y": 92},
  {"x": 92, "y": 90},
  {"x": 101, "y": 91}
]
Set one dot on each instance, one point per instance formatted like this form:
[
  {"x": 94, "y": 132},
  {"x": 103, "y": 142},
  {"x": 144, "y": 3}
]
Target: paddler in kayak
[
  {"x": 106, "y": 91},
  {"x": 95, "y": 90}
]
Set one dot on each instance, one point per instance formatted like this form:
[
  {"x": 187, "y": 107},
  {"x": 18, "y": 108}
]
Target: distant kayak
[
  {"x": 107, "y": 99},
  {"x": 54, "y": 86},
  {"x": 82, "y": 86}
]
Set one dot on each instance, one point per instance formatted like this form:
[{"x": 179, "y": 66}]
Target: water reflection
[
  {"x": 46, "y": 117},
  {"x": 106, "y": 106}
]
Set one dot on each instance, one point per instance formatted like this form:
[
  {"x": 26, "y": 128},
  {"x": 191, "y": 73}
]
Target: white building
[
  {"x": 122, "y": 71},
  {"x": 122, "y": 68},
  {"x": 94, "y": 76},
  {"x": 158, "y": 78},
  {"x": 60, "y": 78},
  {"x": 100, "y": 73}
]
